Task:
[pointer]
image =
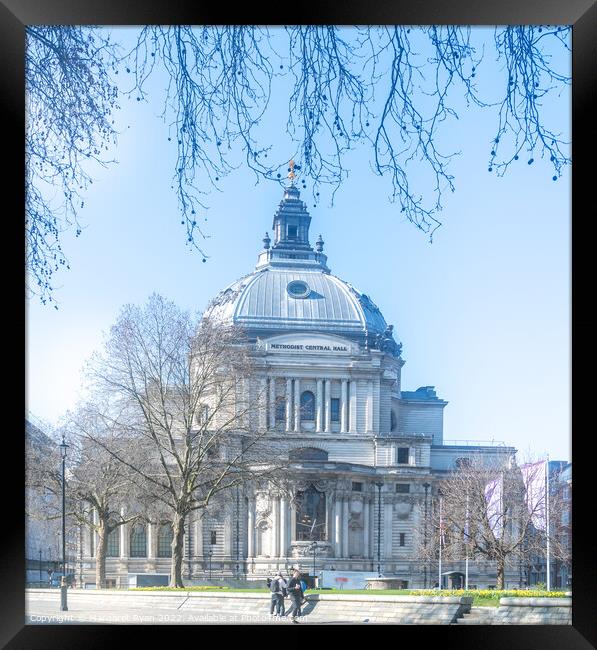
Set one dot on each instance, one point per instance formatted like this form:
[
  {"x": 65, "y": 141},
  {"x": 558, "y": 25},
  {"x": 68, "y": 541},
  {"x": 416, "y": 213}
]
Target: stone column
[
  {"x": 345, "y": 516},
  {"x": 344, "y": 407},
  {"x": 328, "y": 410},
  {"x": 329, "y": 517},
  {"x": 251, "y": 529},
  {"x": 93, "y": 535},
  {"x": 319, "y": 406},
  {"x": 293, "y": 522},
  {"x": 352, "y": 420},
  {"x": 229, "y": 532},
  {"x": 366, "y": 528},
  {"x": 283, "y": 547},
  {"x": 124, "y": 538},
  {"x": 288, "y": 405},
  {"x": 387, "y": 523},
  {"x": 275, "y": 527},
  {"x": 152, "y": 534},
  {"x": 369, "y": 415},
  {"x": 272, "y": 403},
  {"x": 199, "y": 537},
  {"x": 338, "y": 526},
  {"x": 262, "y": 401},
  {"x": 376, "y": 404},
  {"x": 297, "y": 404}
]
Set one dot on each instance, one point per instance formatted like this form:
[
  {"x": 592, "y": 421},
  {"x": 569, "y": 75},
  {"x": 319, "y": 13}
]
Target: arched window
[
  {"x": 165, "y": 537},
  {"x": 307, "y": 405},
  {"x": 113, "y": 543},
  {"x": 310, "y": 515},
  {"x": 307, "y": 453},
  {"x": 138, "y": 541}
]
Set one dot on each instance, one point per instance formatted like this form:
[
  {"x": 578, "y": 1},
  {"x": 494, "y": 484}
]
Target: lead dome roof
[{"x": 292, "y": 289}]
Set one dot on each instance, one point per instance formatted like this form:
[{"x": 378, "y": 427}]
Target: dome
[
  {"x": 293, "y": 290},
  {"x": 286, "y": 299}
]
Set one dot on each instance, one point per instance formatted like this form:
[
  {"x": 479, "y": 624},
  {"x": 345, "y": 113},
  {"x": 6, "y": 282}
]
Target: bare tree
[
  {"x": 183, "y": 393},
  {"x": 482, "y": 511},
  {"x": 392, "y": 89},
  {"x": 98, "y": 490},
  {"x": 70, "y": 99}
]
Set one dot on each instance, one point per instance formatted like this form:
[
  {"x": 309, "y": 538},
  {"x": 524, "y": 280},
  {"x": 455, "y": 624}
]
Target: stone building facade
[{"x": 365, "y": 454}]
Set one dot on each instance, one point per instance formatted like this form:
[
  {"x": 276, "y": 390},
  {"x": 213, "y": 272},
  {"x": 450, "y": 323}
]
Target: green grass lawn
[{"x": 482, "y": 598}]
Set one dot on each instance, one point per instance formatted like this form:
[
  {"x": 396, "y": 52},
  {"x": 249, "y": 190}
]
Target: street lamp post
[
  {"x": 40, "y": 567},
  {"x": 210, "y": 554},
  {"x": 314, "y": 548},
  {"x": 379, "y": 486},
  {"x": 63, "y": 604},
  {"x": 426, "y": 486}
]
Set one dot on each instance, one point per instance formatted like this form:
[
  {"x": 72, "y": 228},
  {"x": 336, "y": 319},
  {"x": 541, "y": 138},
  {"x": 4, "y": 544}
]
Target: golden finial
[{"x": 291, "y": 174}]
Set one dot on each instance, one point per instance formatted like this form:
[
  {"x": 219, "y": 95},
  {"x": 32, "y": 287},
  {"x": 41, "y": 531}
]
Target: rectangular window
[
  {"x": 357, "y": 487},
  {"x": 335, "y": 409},
  {"x": 292, "y": 232},
  {"x": 403, "y": 488},
  {"x": 402, "y": 538},
  {"x": 402, "y": 455},
  {"x": 214, "y": 537},
  {"x": 203, "y": 414}
]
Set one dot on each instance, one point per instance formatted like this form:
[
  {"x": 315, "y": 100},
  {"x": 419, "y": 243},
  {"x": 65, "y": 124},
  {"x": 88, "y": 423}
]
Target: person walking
[
  {"x": 295, "y": 591},
  {"x": 277, "y": 587}
]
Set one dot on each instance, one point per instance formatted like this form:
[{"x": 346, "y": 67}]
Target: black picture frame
[{"x": 582, "y": 14}]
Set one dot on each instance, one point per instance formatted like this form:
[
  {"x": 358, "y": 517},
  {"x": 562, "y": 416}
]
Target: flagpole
[
  {"x": 439, "y": 581},
  {"x": 547, "y": 519}
]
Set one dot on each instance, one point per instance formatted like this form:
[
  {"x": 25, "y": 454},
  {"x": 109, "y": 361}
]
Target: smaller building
[{"x": 43, "y": 550}]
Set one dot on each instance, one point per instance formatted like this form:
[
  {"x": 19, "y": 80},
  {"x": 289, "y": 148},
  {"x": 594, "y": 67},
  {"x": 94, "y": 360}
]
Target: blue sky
[{"x": 483, "y": 313}]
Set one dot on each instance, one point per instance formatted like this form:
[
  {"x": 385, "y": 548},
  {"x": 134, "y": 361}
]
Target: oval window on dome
[{"x": 298, "y": 289}]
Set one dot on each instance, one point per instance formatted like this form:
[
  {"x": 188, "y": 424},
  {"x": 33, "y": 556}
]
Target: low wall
[
  {"x": 534, "y": 611},
  {"x": 241, "y": 607}
]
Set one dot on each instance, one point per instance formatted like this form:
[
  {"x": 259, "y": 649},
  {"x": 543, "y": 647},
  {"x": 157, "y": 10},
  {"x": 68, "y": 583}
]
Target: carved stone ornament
[
  {"x": 302, "y": 485},
  {"x": 355, "y": 522},
  {"x": 262, "y": 506},
  {"x": 402, "y": 510},
  {"x": 305, "y": 549},
  {"x": 356, "y": 505}
]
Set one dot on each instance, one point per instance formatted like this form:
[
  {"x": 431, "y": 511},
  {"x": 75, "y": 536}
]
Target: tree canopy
[{"x": 391, "y": 90}]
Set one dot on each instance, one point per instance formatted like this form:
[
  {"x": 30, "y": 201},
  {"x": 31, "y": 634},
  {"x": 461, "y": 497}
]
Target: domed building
[{"x": 364, "y": 453}]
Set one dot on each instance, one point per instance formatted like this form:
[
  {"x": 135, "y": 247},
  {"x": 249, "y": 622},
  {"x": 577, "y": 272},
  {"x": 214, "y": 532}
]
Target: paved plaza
[{"x": 44, "y": 609}]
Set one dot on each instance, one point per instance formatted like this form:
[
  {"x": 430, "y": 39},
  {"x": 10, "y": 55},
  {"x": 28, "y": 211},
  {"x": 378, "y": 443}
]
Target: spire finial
[{"x": 291, "y": 174}]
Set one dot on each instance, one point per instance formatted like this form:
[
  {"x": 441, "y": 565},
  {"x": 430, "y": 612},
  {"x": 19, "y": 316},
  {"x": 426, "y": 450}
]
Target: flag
[
  {"x": 493, "y": 499},
  {"x": 466, "y": 523},
  {"x": 534, "y": 479}
]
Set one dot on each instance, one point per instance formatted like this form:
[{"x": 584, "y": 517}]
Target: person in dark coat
[
  {"x": 295, "y": 591},
  {"x": 278, "y": 590}
]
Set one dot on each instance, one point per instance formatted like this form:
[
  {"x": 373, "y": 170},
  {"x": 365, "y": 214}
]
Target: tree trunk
[
  {"x": 177, "y": 551},
  {"x": 500, "y": 573},
  {"x": 100, "y": 555}
]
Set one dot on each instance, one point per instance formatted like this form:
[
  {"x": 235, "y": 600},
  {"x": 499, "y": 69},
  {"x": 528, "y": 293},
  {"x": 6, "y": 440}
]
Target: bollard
[{"x": 63, "y": 588}]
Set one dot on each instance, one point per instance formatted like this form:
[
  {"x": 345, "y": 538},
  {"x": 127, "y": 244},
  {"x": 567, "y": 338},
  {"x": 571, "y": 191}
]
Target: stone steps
[{"x": 479, "y": 616}]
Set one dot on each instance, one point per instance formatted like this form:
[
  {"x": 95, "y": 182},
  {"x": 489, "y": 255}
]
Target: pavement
[{"x": 44, "y": 609}]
